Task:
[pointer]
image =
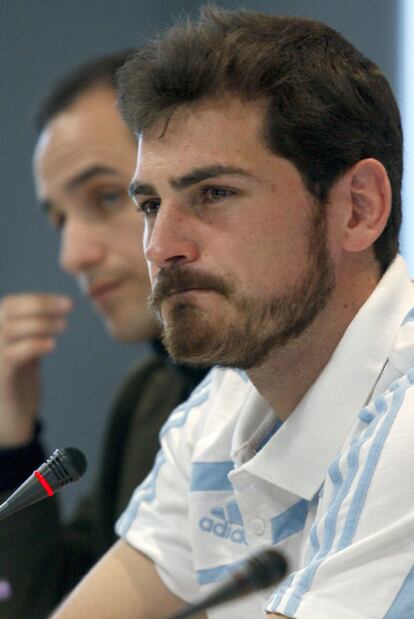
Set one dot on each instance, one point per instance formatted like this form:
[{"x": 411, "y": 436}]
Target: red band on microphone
[{"x": 48, "y": 489}]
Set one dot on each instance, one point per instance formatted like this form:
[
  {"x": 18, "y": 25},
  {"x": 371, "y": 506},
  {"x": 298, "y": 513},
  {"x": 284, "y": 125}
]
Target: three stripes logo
[{"x": 225, "y": 523}]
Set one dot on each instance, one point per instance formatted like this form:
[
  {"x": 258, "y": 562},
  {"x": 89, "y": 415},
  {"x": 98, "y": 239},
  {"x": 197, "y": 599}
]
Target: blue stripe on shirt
[
  {"x": 359, "y": 496},
  {"x": 144, "y": 492},
  {"x": 403, "y": 605},
  {"x": 179, "y": 416},
  {"x": 207, "y": 476},
  {"x": 213, "y": 574},
  {"x": 289, "y": 522},
  {"x": 277, "y": 596},
  {"x": 233, "y": 513},
  {"x": 409, "y": 317},
  {"x": 341, "y": 491}
]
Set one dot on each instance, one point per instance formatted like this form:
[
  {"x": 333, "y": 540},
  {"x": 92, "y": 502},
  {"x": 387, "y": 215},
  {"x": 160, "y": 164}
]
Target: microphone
[
  {"x": 62, "y": 468},
  {"x": 258, "y": 572}
]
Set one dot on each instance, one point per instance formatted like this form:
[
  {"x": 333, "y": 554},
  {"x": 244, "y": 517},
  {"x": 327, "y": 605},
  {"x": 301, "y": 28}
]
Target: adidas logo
[{"x": 225, "y": 523}]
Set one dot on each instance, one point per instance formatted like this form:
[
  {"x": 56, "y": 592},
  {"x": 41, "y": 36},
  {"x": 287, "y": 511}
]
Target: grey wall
[{"x": 40, "y": 40}]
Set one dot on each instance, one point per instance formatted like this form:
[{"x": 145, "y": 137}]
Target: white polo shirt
[{"x": 332, "y": 487}]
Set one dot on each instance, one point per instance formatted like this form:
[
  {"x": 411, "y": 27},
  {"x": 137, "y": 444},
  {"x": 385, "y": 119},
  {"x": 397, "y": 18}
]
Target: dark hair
[
  {"x": 99, "y": 71},
  {"x": 329, "y": 106}
]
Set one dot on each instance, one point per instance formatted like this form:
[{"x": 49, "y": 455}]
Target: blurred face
[
  {"x": 83, "y": 162},
  {"x": 237, "y": 248}
]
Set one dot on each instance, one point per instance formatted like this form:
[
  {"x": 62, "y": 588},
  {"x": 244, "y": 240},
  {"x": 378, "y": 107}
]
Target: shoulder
[
  {"x": 376, "y": 461},
  {"x": 212, "y": 408}
]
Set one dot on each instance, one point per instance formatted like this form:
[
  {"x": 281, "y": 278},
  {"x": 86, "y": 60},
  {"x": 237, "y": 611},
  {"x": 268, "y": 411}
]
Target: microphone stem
[{"x": 4, "y": 510}]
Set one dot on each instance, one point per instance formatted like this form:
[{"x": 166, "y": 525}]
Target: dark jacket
[{"x": 41, "y": 558}]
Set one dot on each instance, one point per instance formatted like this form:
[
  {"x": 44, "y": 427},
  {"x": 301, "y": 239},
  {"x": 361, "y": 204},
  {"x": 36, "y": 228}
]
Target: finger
[
  {"x": 25, "y": 351},
  {"x": 32, "y": 304},
  {"x": 23, "y": 328}
]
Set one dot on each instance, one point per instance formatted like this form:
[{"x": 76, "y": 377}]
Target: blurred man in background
[{"x": 83, "y": 162}]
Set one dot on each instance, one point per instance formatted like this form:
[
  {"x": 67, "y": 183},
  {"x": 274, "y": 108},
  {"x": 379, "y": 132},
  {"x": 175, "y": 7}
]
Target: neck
[{"x": 287, "y": 374}]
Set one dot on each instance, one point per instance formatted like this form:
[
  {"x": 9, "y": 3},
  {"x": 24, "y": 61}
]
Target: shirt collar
[{"x": 298, "y": 455}]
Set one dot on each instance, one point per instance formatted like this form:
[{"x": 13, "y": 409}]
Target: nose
[
  {"x": 81, "y": 247},
  {"x": 170, "y": 237}
]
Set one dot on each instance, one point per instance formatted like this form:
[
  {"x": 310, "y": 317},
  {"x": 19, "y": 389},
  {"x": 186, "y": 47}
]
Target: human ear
[{"x": 369, "y": 204}]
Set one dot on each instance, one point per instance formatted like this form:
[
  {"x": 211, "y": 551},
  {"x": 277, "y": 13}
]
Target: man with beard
[
  {"x": 269, "y": 171},
  {"x": 83, "y": 163}
]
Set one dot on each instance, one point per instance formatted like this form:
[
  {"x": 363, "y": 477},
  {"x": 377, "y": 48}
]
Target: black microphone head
[
  {"x": 265, "y": 568},
  {"x": 261, "y": 570},
  {"x": 75, "y": 458},
  {"x": 63, "y": 467}
]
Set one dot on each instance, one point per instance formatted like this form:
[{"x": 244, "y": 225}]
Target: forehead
[
  {"x": 89, "y": 132},
  {"x": 224, "y": 130}
]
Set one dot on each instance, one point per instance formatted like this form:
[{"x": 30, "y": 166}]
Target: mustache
[{"x": 176, "y": 279}]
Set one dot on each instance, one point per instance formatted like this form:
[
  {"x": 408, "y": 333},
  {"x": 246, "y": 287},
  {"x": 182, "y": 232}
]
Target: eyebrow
[
  {"x": 88, "y": 173},
  {"x": 81, "y": 178},
  {"x": 197, "y": 175}
]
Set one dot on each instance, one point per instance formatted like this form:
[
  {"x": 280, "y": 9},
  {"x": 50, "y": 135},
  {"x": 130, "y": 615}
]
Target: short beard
[{"x": 263, "y": 325}]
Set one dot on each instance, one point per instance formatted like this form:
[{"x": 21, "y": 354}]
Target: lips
[
  {"x": 99, "y": 292},
  {"x": 177, "y": 280}
]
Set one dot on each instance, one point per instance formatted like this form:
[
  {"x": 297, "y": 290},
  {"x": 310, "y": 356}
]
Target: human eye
[
  {"x": 109, "y": 199},
  {"x": 216, "y": 193},
  {"x": 56, "y": 219},
  {"x": 149, "y": 208}
]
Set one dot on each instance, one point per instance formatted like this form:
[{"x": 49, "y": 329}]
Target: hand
[{"x": 29, "y": 324}]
